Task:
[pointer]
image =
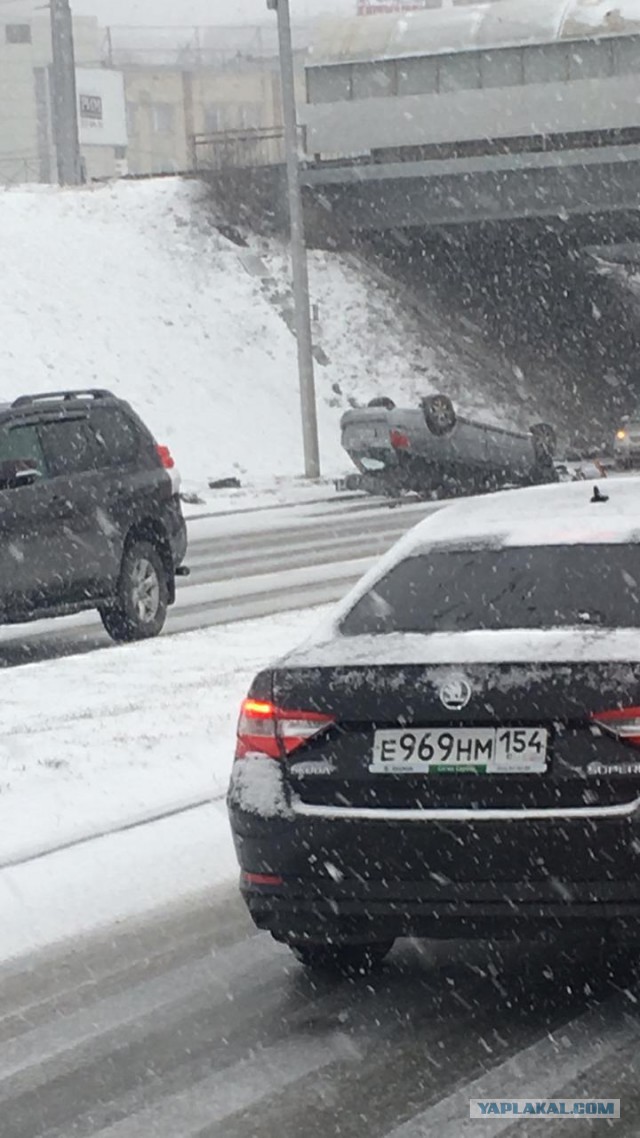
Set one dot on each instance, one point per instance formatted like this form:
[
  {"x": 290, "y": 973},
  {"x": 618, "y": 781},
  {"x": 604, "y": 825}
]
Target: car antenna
[{"x": 598, "y": 496}]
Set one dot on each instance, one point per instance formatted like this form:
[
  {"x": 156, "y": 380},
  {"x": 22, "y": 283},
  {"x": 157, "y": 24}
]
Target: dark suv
[{"x": 90, "y": 516}]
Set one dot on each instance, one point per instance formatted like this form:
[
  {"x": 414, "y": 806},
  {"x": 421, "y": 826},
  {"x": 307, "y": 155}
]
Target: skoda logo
[{"x": 455, "y": 694}]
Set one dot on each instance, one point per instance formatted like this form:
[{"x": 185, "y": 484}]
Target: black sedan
[{"x": 457, "y": 750}]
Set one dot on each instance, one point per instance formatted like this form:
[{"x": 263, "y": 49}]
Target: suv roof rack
[{"x": 63, "y": 396}]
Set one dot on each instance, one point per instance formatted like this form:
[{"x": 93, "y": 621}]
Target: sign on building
[
  {"x": 102, "y": 112},
  {"x": 92, "y": 109}
]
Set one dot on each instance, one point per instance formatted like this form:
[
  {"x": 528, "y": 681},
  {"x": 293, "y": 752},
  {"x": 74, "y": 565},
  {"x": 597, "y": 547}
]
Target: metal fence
[
  {"x": 239, "y": 149},
  {"x": 195, "y": 47}
]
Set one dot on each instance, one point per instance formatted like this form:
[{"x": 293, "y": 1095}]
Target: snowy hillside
[
  {"x": 132, "y": 287},
  {"x": 128, "y": 287}
]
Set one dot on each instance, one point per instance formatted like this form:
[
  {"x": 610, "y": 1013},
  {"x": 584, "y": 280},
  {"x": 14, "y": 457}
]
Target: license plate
[
  {"x": 365, "y": 436},
  {"x": 508, "y": 750}
]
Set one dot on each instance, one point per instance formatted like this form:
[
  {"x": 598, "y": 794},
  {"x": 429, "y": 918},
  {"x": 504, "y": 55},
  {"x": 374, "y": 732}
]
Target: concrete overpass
[
  {"x": 509, "y": 112},
  {"x": 558, "y": 186}
]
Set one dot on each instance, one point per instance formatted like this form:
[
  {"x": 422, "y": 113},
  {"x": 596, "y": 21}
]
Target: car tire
[
  {"x": 382, "y": 401},
  {"x": 545, "y": 443},
  {"x": 439, "y": 414},
  {"x": 142, "y": 600},
  {"x": 344, "y": 959}
]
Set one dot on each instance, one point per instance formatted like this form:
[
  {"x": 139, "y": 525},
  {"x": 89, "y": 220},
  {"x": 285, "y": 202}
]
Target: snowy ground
[
  {"x": 97, "y": 742},
  {"x": 198, "y": 500},
  {"x": 104, "y": 739}
]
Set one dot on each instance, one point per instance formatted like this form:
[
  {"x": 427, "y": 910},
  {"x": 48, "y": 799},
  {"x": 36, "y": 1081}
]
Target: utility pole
[
  {"x": 300, "y": 268},
  {"x": 64, "y": 97}
]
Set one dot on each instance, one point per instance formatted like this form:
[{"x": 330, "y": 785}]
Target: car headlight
[{"x": 621, "y": 435}]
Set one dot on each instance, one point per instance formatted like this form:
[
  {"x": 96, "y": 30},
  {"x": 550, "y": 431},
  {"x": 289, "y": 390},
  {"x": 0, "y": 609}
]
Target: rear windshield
[{"x": 542, "y": 587}]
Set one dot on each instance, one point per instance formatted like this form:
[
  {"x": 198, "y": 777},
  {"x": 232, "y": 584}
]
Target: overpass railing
[{"x": 239, "y": 149}]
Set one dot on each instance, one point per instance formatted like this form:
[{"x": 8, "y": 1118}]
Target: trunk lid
[
  {"x": 584, "y": 764},
  {"x": 365, "y": 431}
]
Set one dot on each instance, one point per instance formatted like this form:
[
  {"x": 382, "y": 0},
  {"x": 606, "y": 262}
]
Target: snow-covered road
[{"x": 194, "y": 1026}]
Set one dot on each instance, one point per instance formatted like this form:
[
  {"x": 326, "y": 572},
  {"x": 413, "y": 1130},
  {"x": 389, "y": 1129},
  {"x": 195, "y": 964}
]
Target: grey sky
[{"x": 177, "y": 12}]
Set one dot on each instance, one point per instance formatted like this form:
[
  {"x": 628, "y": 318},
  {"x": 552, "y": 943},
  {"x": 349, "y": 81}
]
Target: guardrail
[{"x": 240, "y": 149}]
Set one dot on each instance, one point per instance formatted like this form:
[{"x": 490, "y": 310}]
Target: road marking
[
  {"x": 538, "y": 1072},
  {"x": 243, "y": 1085},
  {"x": 31, "y": 1051}
]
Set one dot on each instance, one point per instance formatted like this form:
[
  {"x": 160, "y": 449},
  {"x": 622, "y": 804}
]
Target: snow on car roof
[
  {"x": 542, "y": 515},
  {"x": 559, "y": 514}
]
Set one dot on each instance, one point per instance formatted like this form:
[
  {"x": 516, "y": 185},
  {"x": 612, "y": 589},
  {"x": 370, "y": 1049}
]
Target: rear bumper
[
  {"x": 454, "y": 873},
  {"x": 378, "y": 911},
  {"x": 176, "y": 528}
]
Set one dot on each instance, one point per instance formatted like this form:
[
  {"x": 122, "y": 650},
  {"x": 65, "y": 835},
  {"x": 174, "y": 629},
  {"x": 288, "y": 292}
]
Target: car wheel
[
  {"x": 382, "y": 401},
  {"x": 140, "y": 609},
  {"x": 347, "y": 959},
  {"x": 545, "y": 443},
  {"x": 439, "y": 414}
]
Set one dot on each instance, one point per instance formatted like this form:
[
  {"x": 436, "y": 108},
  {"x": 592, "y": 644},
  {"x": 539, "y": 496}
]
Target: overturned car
[{"x": 432, "y": 450}]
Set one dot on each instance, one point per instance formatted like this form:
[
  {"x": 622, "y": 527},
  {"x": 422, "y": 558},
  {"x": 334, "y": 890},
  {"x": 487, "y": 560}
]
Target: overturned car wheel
[
  {"x": 439, "y": 414},
  {"x": 382, "y": 401}
]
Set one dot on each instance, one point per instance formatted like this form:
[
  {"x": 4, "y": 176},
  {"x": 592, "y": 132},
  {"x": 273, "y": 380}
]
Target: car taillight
[
  {"x": 623, "y": 723},
  {"x": 265, "y": 729},
  {"x": 399, "y": 440},
  {"x": 166, "y": 457}
]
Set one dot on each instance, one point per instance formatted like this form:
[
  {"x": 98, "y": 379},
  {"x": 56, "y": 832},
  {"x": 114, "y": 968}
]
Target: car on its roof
[
  {"x": 90, "y": 513},
  {"x": 431, "y": 449},
  {"x": 456, "y": 751}
]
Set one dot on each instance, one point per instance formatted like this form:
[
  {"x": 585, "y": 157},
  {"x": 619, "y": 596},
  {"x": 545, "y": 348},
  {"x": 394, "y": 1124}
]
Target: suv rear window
[
  {"x": 119, "y": 438},
  {"x": 534, "y": 587}
]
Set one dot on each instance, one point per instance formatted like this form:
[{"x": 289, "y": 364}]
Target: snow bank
[{"x": 97, "y": 741}]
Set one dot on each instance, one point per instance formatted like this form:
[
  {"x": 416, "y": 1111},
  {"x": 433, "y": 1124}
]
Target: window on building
[
  {"x": 213, "y": 120},
  {"x": 418, "y": 76},
  {"x": 502, "y": 68},
  {"x": 547, "y": 63},
  {"x": 163, "y": 117},
  {"x": 250, "y": 116},
  {"x": 17, "y": 33},
  {"x": 329, "y": 84},
  {"x": 460, "y": 72}
]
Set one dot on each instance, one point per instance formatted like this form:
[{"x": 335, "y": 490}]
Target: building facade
[
  {"x": 143, "y": 106},
  {"x": 27, "y": 151}
]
